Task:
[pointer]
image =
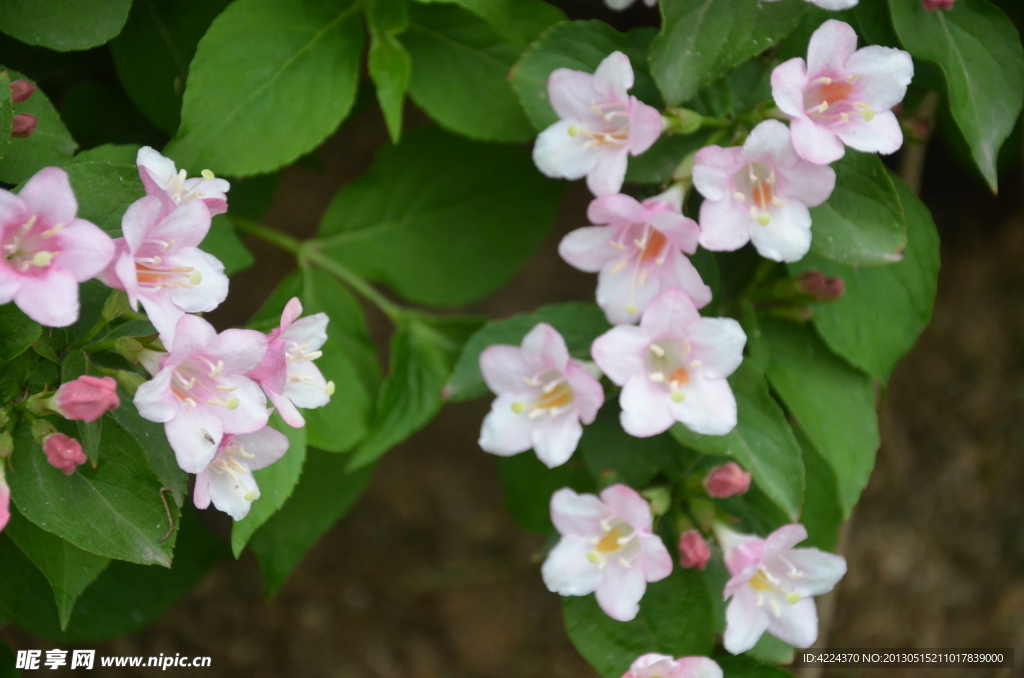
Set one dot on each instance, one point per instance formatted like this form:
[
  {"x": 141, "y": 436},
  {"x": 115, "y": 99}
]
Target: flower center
[
  {"x": 754, "y": 186},
  {"x": 644, "y": 247},
  {"x": 153, "y": 274},
  {"x": 827, "y": 101},
  {"x": 613, "y": 120},
  {"x": 195, "y": 382},
  {"x": 227, "y": 463},
  {"x": 179, "y": 193},
  {"x": 25, "y": 247},
  {"x": 617, "y": 542},
  {"x": 669, "y": 365},
  {"x": 553, "y": 396},
  {"x": 770, "y": 589}
]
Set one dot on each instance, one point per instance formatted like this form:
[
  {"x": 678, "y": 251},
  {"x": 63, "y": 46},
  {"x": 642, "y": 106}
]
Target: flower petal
[
  {"x": 212, "y": 288},
  {"x": 306, "y": 386},
  {"x": 787, "y": 237},
  {"x": 718, "y": 344},
  {"x": 587, "y": 248},
  {"x": 627, "y": 503},
  {"x": 556, "y": 439},
  {"x": 682, "y": 232},
  {"x": 789, "y": 79},
  {"x": 645, "y": 126},
  {"x": 645, "y": 408},
  {"x": 48, "y": 195},
  {"x": 614, "y": 76},
  {"x": 608, "y": 172},
  {"x": 251, "y": 413},
  {"x": 85, "y": 250},
  {"x": 620, "y": 352},
  {"x": 587, "y": 391},
  {"x": 560, "y": 155},
  {"x": 194, "y": 436},
  {"x": 234, "y": 494},
  {"x": 724, "y": 224},
  {"x": 139, "y": 219},
  {"x": 882, "y": 135},
  {"x": 567, "y": 571},
  {"x": 709, "y": 406},
  {"x": 669, "y": 315},
  {"x": 797, "y": 624},
  {"x": 821, "y": 571},
  {"x": 809, "y": 183},
  {"x": 241, "y": 350},
  {"x": 620, "y": 592},
  {"x": 578, "y": 514},
  {"x": 546, "y": 346},
  {"x": 770, "y": 142},
  {"x": 815, "y": 143},
  {"x": 831, "y": 45},
  {"x": 571, "y": 92},
  {"x": 618, "y": 209},
  {"x": 884, "y": 75},
  {"x": 713, "y": 168},
  {"x": 50, "y": 299},
  {"x": 505, "y": 432},
  {"x": 286, "y": 408},
  {"x": 745, "y": 623},
  {"x": 266, "y": 445},
  {"x": 505, "y": 369}
]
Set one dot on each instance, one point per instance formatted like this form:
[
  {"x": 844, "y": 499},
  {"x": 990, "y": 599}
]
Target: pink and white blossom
[
  {"x": 159, "y": 263},
  {"x": 773, "y": 585},
  {"x": 607, "y": 548},
  {"x": 842, "y": 95},
  {"x": 163, "y": 180},
  {"x": 85, "y": 398},
  {"x": 287, "y": 373},
  {"x": 45, "y": 251},
  {"x": 201, "y": 393},
  {"x": 638, "y": 251},
  {"x": 5, "y": 497},
  {"x": 63, "y": 453},
  {"x": 228, "y": 481},
  {"x": 761, "y": 193},
  {"x": 543, "y": 396},
  {"x": 600, "y": 125},
  {"x": 673, "y": 367},
  {"x": 663, "y": 666}
]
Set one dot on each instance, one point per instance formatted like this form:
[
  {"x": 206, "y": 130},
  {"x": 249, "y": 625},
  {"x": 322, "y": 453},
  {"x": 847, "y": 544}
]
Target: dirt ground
[{"x": 428, "y": 577}]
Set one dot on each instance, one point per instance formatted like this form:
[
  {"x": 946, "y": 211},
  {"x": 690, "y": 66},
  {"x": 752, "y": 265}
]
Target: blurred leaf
[
  {"x": 979, "y": 52},
  {"x": 770, "y": 649},
  {"x": 390, "y": 68},
  {"x": 63, "y": 25},
  {"x": 439, "y": 219},
  {"x": 18, "y": 571},
  {"x": 515, "y": 20},
  {"x": 17, "y": 333},
  {"x": 746, "y": 667},
  {"x": 656, "y": 164},
  {"x": 115, "y": 154},
  {"x": 6, "y": 113},
  {"x": 529, "y": 484},
  {"x": 605, "y": 446},
  {"x": 96, "y": 114},
  {"x": 104, "y": 191},
  {"x": 822, "y": 515},
  {"x": 223, "y": 243},
  {"x": 7, "y": 662},
  {"x": 50, "y": 144},
  {"x": 271, "y": 79},
  {"x": 885, "y": 308},
  {"x": 324, "y": 494},
  {"x": 578, "y": 323}
]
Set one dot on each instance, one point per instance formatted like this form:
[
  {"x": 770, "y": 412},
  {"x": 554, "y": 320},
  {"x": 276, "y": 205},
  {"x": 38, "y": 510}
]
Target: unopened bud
[
  {"x": 6, "y": 445},
  {"x": 130, "y": 380},
  {"x": 21, "y": 90},
  {"x": 682, "y": 121},
  {"x": 727, "y": 480},
  {"x": 115, "y": 305},
  {"x": 818, "y": 287},
  {"x": 703, "y": 511},
  {"x": 23, "y": 125},
  {"x": 660, "y": 499},
  {"x": 41, "y": 429},
  {"x": 85, "y": 398},
  {"x": 64, "y": 453},
  {"x": 129, "y": 348},
  {"x": 933, "y": 5},
  {"x": 693, "y": 550}
]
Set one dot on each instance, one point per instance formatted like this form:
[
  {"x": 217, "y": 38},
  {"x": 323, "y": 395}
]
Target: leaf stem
[
  {"x": 93, "y": 331},
  {"x": 309, "y": 253},
  {"x": 274, "y": 237},
  {"x": 100, "y": 346}
]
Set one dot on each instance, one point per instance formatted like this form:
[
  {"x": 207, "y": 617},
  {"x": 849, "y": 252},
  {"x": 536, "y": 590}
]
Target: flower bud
[
  {"x": 933, "y": 5},
  {"x": 85, "y": 398},
  {"x": 682, "y": 121},
  {"x": 693, "y": 550},
  {"x": 21, "y": 90},
  {"x": 130, "y": 380},
  {"x": 23, "y": 125},
  {"x": 115, "y": 305},
  {"x": 727, "y": 480},
  {"x": 660, "y": 499},
  {"x": 63, "y": 453}
]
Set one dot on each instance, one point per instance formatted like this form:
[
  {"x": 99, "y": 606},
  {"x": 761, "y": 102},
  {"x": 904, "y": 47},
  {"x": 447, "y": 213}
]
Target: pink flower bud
[
  {"x": 937, "y": 4},
  {"x": 85, "y": 398},
  {"x": 64, "y": 453},
  {"x": 727, "y": 480},
  {"x": 693, "y": 550},
  {"x": 820, "y": 288},
  {"x": 21, "y": 90},
  {"x": 23, "y": 125}
]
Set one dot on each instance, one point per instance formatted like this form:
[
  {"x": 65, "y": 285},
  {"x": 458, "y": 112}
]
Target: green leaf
[
  {"x": 115, "y": 510},
  {"x": 96, "y": 114},
  {"x": 440, "y": 219},
  {"x": 18, "y": 572},
  {"x": 746, "y": 667},
  {"x": 701, "y": 40},
  {"x": 529, "y": 484},
  {"x": 423, "y": 352},
  {"x": 6, "y": 113},
  {"x": 580, "y": 46},
  {"x": 223, "y": 243},
  {"x": 18, "y": 332},
  {"x": 126, "y": 597},
  {"x": 276, "y": 483},
  {"x": 104, "y": 191},
  {"x": 50, "y": 144},
  {"x": 390, "y": 69},
  {"x": 578, "y": 323},
  {"x": 115, "y": 154},
  {"x": 833, "y": 402},
  {"x": 7, "y": 662},
  {"x": 324, "y": 494},
  {"x": 607, "y": 449},
  {"x": 822, "y": 515},
  {"x": 270, "y": 80},
  {"x": 153, "y": 52},
  {"x": 863, "y": 222},
  {"x": 63, "y": 25},
  {"x": 885, "y": 308},
  {"x": 68, "y": 568},
  {"x": 674, "y": 619},
  {"x": 149, "y": 437},
  {"x": 770, "y": 649},
  {"x": 762, "y": 442},
  {"x": 515, "y": 20},
  {"x": 980, "y": 54}
]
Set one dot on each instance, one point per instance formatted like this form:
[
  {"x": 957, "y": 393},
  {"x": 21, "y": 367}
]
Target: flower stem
[
  {"x": 282, "y": 240},
  {"x": 309, "y": 253},
  {"x": 93, "y": 331},
  {"x": 100, "y": 346}
]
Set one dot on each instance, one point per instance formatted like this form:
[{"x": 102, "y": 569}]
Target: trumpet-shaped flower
[
  {"x": 663, "y": 666},
  {"x": 201, "y": 392},
  {"x": 842, "y": 95},
  {"x": 607, "y": 548},
  {"x": 287, "y": 373},
  {"x": 228, "y": 481},
  {"x": 543, "y": 395},
  {"x": 673, "y": 367},
  {"x": 760, "y": 193},
  {"x": 158, "y": 263},
  {"x": 45, "y": 251},
  {"x": 600, "y": 125},
  {"x": 638, "y": 253},
  {"x": 163, "y": 180},
  {"x": 773, "y": 585}
]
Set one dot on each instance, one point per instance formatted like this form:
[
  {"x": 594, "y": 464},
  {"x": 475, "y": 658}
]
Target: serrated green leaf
[
  {"x": 49, "y": 145},
  {"x": 390, "y": 69},
  {"x": 63, "y": 25}
]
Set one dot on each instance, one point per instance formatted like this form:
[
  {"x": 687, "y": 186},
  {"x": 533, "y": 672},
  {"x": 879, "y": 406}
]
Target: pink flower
[
  {"x": 228, "y": 480},
  {"x": 163, "y": 180},
  {"x": 663, "y": 666},
  {"x": 63, "y": 453},
  {"x": 639, "y": 253},
  {"x": 45, "y": 251},
  {"x": 599, "y": 125},
  {"x": 5, "y": 497},
  {"x": 85, "y": 398},
  {"x": 727, "y": 480},
  {"x": 842, "y": 95},
  {"x": 158, "y": 263},
  {"x": 930, "y": 5},
  {"x": 287, "y": 373},
  {"x": 23, "y": 125},
  {"x": 760, "y": 192},
  {"x": 693, "y": 550},
  {"x": 201, "y": 392},
  {"x": 673, "y": 368},
  {"x": 543, "y": 395},
  {"x": 772, "y": 586},
  {"x": 607, "y": 548}
]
